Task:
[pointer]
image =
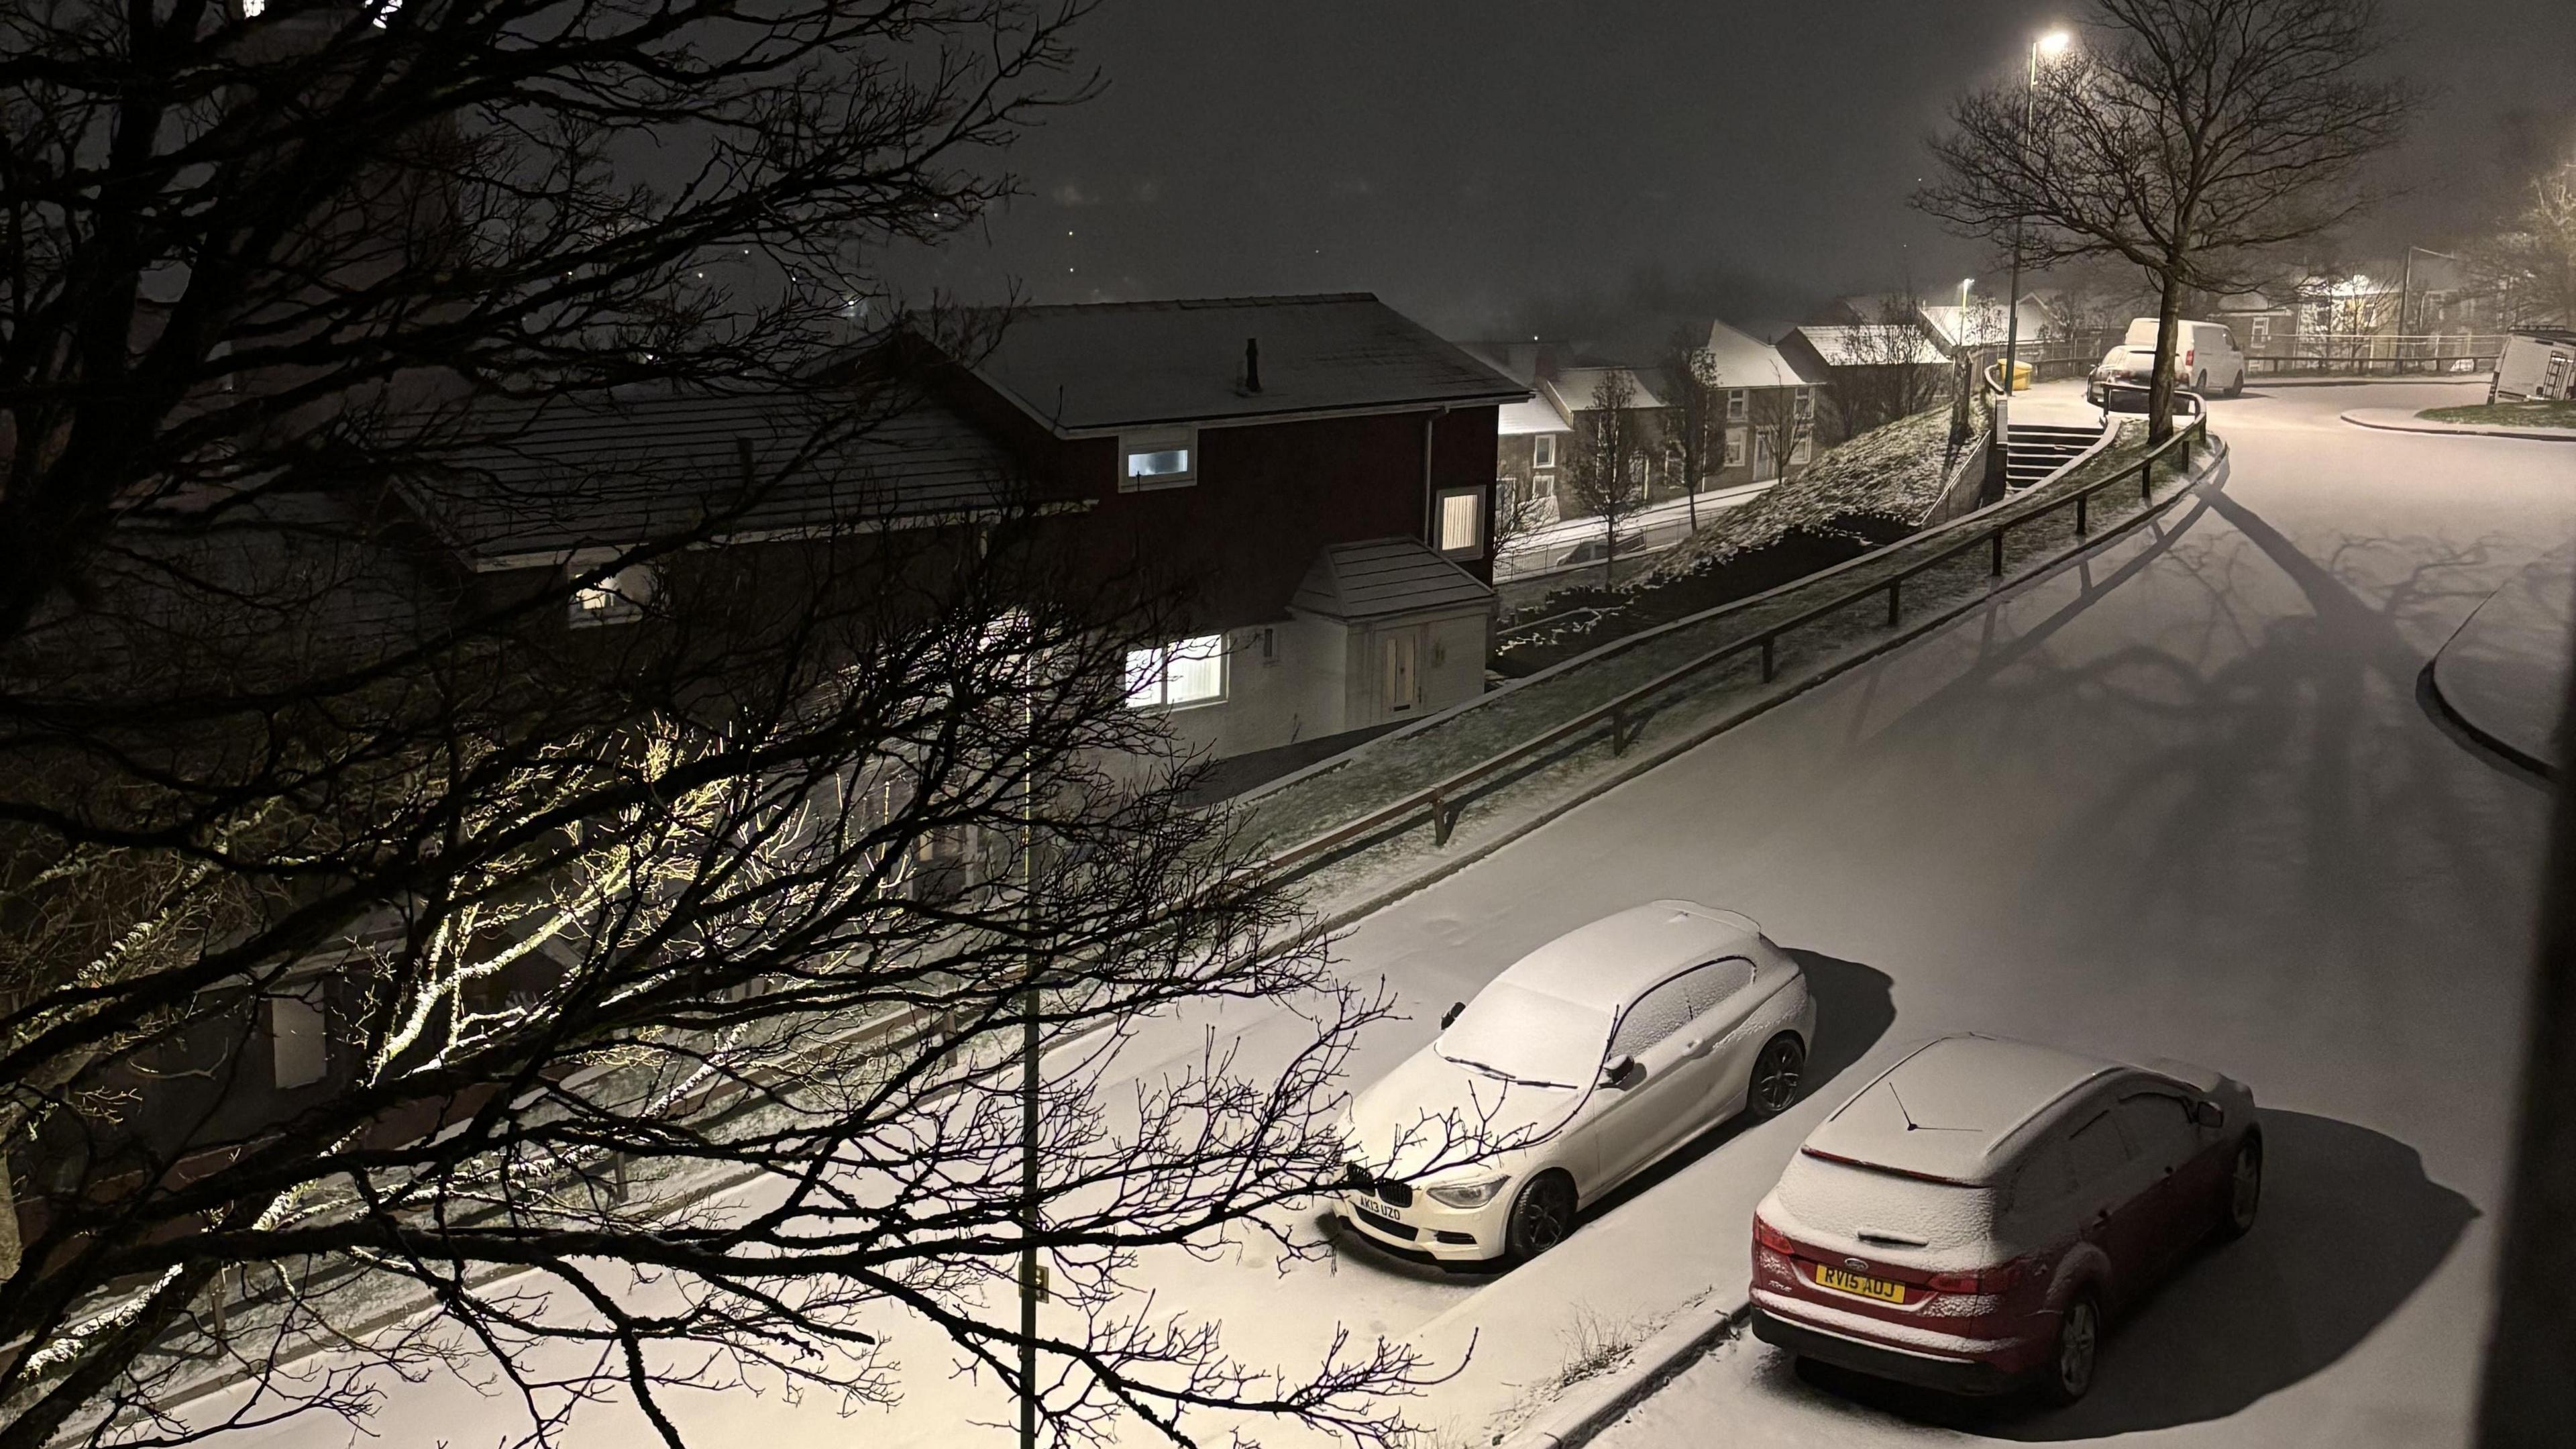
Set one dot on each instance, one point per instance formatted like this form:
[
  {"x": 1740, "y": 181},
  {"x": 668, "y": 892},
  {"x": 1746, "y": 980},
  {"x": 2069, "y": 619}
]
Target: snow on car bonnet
[{"x": 1527, "y": 1036}]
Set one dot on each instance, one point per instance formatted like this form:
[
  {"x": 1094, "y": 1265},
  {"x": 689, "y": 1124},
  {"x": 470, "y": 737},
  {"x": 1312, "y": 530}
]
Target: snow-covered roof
[
  {"x": 1607, "y": 963},
  {"x": 1538, "y": 415},
  {"x": 1098, "y": 367},
  {"x": 1947, "y": 1110},
  {"x": 1874, "y": 344},
  {"x": 566, "y": 475},
  {"x": 1380, "y": 577},
  {"x": 1573, "y": 387},
  {"x": 1743, "y": 360}
]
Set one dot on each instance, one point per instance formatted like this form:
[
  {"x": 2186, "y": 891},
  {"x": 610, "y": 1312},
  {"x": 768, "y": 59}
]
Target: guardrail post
[
  {"x": 1443, "y": 820},
  {"x": 1767, "y": 641},
  {"x": 2080, "y": 500},
  {"x": 2147, "y": 481},
  {"x": 1999, "y": 551},
  {"x": 1618, "y": 732},
  {"x": 1894, "y": 602}
]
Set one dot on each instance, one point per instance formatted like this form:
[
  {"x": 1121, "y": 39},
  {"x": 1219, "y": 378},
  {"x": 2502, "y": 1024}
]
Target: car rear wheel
[
  {"x": 2079, "y": 1349},
  {"x": 1778, "y": 1074},
  {"x": 2244, "y": 1188},
  {"x": 1542, "y": 1214},
  {"x": 2237, "y": 388},
  {"x": 2200, "y": 383}
]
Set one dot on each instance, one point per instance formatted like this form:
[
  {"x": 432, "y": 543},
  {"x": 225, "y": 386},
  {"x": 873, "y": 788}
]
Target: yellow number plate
[{"x": 1842, "y": 1282}]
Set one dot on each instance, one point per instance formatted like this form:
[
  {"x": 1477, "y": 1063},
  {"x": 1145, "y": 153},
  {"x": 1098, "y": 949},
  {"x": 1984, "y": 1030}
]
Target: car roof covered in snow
[
  {"x": 1607, "y": 963},
  {"x": 1952, "y": 1108}
]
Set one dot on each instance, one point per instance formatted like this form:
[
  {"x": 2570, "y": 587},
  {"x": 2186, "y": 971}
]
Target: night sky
[{"x": 1502, "y": 166}]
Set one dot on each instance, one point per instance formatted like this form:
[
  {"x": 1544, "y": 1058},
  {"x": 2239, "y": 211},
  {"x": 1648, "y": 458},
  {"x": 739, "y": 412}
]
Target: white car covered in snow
[{"x": 1581, "y": 1065}]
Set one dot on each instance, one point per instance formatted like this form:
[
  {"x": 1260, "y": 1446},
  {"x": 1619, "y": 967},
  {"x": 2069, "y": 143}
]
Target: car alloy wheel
[
  {"x": 2079, "y": 1347},
  {"x": 2244, "y": 1187},
  {"x": 1542, "y": 1214},
  {"x": 1777, "y": 1075}
]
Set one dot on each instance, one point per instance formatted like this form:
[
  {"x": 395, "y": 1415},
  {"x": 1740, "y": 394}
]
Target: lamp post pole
[{"x": 2051, "y": 43}]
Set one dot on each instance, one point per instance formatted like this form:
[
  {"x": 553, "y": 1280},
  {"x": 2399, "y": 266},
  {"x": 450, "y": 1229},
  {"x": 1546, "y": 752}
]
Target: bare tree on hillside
[
  {"x": 1695, "y": 411},
  {"x": 1891, "y": 367},
  {"x": 1782, "y": 421},
  {"x": 390, "y": 966},
  {"x": 2188, "y": 137},
  {"x": 1607, "y": 476}
]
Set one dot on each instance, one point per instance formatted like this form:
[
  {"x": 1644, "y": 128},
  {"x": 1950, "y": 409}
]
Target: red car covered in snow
[{"x": 1972, "y": 1219}]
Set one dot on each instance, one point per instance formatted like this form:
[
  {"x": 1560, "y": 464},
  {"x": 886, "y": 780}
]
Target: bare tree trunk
[
  {"x": 2528, "y": 1397},
  {"x": 2160, "y": 384}
]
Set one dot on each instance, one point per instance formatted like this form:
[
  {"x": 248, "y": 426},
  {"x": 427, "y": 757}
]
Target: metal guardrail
[
  {"x": 1440, "y": 804},
  {"x": 2345, "y": 363}
]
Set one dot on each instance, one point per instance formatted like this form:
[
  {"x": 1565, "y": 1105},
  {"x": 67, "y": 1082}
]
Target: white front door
[{"x": 1400, "y": 672}]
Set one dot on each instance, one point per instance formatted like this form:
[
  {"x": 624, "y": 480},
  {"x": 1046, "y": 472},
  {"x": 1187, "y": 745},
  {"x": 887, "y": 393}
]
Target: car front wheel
[
  {"x": 2079, "y": 1349},
  {"x": 1778, "y": 1074},
  {"x": 1542, "y": 1214},
  {"x": 2244, "y": 1188}
]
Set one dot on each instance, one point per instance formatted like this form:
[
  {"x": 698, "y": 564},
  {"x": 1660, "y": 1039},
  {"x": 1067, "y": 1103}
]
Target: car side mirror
[
  {"x": 2209, "y": 1114},
  {"x": 1451, "y": 1014},
  {"x": 1622, "y": 1072}
]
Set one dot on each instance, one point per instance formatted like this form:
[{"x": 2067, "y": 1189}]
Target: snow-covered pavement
[{"x": 2179, "y": 800}]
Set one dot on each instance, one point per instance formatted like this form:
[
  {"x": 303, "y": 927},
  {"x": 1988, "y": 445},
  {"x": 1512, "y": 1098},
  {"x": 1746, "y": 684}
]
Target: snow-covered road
[{"x": 2179, "y": 800}]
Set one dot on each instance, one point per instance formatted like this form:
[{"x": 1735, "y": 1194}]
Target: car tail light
[
  {"x": 2188, "y": 355},
  {"x": 1772, "y": 1238},
  {"x": 1984, "y": 1280}
]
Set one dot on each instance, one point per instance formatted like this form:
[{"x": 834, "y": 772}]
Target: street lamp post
[{"x": 2050, "y": 44}]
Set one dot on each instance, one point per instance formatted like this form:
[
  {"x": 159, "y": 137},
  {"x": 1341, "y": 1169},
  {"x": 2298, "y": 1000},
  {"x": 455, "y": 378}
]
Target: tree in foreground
[
  {"x": 1606, "y": 475},
  {"x": 395, "y": 979},
  {"x": 2188, "y": 137}
]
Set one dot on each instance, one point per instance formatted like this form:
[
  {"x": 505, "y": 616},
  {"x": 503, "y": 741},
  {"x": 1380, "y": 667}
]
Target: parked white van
[{"x": 2205, "y": 352}]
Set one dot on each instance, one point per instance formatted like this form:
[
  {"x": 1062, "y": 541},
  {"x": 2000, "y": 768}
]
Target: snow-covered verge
[
  {"x": 1393, "y": 766},
  {"x": 1897, "y": 473}
]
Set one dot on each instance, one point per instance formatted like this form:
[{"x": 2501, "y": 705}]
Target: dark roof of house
[
  {"x": 2547, "y": 334},
  {"x": 1098, "y": 367},
  {"x": 564, "y": 476},
  {"x": 1379, "y": 577}
]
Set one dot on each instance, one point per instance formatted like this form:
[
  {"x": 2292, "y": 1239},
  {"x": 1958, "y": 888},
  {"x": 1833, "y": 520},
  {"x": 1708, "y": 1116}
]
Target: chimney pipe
[{"x": 1252, "y": 364}]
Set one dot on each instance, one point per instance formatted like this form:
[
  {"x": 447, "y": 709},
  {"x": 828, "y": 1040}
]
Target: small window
[
  {"x": 1806, "y": 404},
  {"x": 1166, "y": 458},
  {"x": 1802, "y": 451},
  {"x": 2259, "y": 329},
  {"x": 1462, "y": 522},
  {"x": 615, "y": 598},
  {"x": 1735, "y": 404},
  {"x": 299, "y": 1040},
  {"x": 1543, "y": 451},
  {"x": 2157, "y": 1128},
  {"x": 1167, "y": 676},
  {"x": 1735, "y": 438}
]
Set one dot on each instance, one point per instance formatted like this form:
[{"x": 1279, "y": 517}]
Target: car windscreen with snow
[
  {"x": 1885, "y": 1209},
  {"x": 1527, "y": 1036}
]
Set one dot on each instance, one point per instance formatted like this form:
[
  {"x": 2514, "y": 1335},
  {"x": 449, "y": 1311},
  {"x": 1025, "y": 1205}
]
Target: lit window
[
  {"x": 1543, "y": 451},
  {"x": 1735, "y": 447},
  {"x": 1167, "y": 676},
  {"x": 1462, "y": 519},
  {"x": 1166, "y": 458},
  {"x": 1805, "y": 449},
  {"x": 1735, "y": 404}
]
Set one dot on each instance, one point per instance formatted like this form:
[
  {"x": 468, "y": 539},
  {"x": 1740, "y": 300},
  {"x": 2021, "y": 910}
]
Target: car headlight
[{"x": 1467, "y": 1194}]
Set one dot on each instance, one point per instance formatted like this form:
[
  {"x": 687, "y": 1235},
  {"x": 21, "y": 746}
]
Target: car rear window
[{"x": 1851, "y": 1201}]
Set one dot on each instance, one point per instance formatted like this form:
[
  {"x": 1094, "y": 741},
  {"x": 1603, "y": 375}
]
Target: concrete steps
[{"x": 2032, "y": 451}]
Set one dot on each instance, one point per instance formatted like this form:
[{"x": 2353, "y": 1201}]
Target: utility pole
[{"x": 1032, "y": 1280}]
